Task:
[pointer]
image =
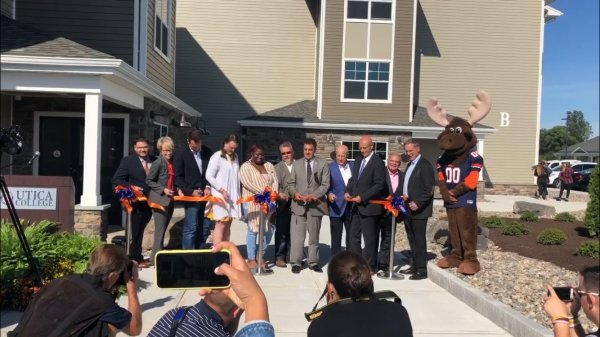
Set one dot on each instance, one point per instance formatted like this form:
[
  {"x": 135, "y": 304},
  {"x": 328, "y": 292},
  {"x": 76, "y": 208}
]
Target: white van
[{"x": 556, "y": 163}]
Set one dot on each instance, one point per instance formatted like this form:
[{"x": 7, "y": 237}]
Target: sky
[{"x": 570, "y": 63}]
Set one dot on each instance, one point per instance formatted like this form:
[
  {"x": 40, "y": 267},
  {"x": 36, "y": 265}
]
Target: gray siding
[
  {"x": 106, "y": 26},
  {"x": 399, "y": 109},
  {"x": 493, "y": 45},
  {"x": 158, "y": 69}
]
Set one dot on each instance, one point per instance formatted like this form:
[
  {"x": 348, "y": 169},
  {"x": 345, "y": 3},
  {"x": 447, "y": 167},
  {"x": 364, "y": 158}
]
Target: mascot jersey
[{"x": 467, "y": 173}]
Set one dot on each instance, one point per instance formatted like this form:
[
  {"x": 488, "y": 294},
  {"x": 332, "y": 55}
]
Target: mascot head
[{"x": 458, "y": 137}]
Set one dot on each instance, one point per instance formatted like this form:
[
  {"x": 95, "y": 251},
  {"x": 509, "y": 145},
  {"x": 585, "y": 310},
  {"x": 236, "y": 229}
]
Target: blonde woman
[
  {"x": 255, "y": 175},
  {"x": 223, "y": 175},
  {"x": 161, "y": 183}
]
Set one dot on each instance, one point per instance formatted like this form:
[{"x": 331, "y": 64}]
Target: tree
[
  {"x": 592, "y": 213},
  {"x": 554, "y": 140},
  {"x": 579, "y": 129}
]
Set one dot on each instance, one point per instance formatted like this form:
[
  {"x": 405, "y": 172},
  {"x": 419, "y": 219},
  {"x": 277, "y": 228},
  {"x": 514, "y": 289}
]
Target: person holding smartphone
[{"x": 564, "y": 312}]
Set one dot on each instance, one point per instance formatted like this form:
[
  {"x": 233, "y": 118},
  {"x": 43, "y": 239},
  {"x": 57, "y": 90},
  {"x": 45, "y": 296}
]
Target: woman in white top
[{"x": 223, "y": 175}]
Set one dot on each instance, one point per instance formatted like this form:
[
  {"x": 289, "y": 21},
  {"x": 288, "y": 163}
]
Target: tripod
[{"x": 20, "y": 233}]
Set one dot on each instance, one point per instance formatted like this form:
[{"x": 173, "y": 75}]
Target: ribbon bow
[
  {"x": 128, "y": 195},
  {"x": 393, "y": 205},
  {"x": 266, "y": 199}
]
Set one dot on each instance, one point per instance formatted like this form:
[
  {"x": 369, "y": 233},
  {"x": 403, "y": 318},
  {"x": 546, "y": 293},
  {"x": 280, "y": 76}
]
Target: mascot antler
[
  {"x": 436, "y": 112},
  {"x": 480, "y": 107}
]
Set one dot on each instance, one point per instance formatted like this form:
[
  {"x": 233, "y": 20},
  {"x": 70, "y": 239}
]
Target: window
[
  {"x": 162, "y": 26},
  {"x": 354, "y": 151},
  {"x": 362, "y": 84},
  {"x": 160, "y": 130},
  {"x": 370, "y": 9}
]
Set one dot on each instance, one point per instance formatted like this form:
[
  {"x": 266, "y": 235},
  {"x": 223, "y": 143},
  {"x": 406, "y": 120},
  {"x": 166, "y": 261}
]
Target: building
[
  {"x": 586, "y": 151},
  {"x": 334, "y": 70},
  {"x": 82, "y": 80}
]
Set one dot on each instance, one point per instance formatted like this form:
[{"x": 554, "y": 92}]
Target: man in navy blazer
[
  {"x": 367, "y": 183},
  {"x": 189, "y": 167},
  {"x": 132, "y": 170},
  {"x": 341, "y": 172}
]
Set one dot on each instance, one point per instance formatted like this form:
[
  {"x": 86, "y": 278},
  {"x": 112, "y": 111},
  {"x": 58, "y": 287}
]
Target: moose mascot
[{"x": 458, "y": 171}]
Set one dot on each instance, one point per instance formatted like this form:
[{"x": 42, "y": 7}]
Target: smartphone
[
  {"x": 563, "y": 293},
  {"x": 190, "y": 269}
]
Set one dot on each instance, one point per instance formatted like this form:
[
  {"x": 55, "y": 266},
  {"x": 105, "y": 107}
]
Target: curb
[{"x": 501, "y": 314}]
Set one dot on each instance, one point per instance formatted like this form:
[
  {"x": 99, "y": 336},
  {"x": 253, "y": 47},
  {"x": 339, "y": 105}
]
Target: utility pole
[{"x": 566, "y": 133}]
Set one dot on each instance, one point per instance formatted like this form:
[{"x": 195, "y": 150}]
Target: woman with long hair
[
  {"x": 223, "y": 175},
  {"x": 543, "y": 177},
  {"x": 256, "y": 174},
  {"x": 161, "y": 183},
  {"x": 566, "y": 180}
]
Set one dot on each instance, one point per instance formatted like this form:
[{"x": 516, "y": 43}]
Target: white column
[
  {"x": 91, "y": 150},
  {"x": 480, "y": 150}
]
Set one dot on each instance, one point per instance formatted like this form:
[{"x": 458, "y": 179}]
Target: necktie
[
  {"x": 362, "y": 166},
  {"x": 308, "y": 171},
  {"x": 145, "y": 164}
]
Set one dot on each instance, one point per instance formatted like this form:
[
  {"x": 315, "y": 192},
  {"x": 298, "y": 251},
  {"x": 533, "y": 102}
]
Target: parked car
[
  {"x": 581, "y": 180},
  {"x": 555, "y": 182},
  {"x": 556, "y": 163}
]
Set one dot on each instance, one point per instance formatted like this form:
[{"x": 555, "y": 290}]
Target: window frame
[
  {"x": 160, "y": 127},
  {"x": 365, "y": 98},
  {"x": 350, "y": 144},
  {"x": 159, "y": 48},
  {"x": 369, "y": 10}
]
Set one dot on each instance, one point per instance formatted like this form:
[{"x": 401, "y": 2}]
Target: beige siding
[
  {"x": 493, "y": 45},
  {"x": 241, "y": 58},
  {"x": 357, "y": 37},
  {"x": 106, "y": 26},
  {"x": 158, "y": 68},
  {"x": 6, "y": 8},
  {"x": 398, "y": 110}
]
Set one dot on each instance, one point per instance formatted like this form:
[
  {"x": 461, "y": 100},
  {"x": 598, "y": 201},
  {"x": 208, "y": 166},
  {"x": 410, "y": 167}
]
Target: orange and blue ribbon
[
  {"x": 189, "y": 198},
  {"x": 128, "y": 195},
  {"x": 393, "y": 205},
  {"x": 266, "y": 199}
]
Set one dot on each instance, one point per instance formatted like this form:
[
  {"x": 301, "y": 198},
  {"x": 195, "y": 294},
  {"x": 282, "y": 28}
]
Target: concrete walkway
[{"x": 433, "y": 311}]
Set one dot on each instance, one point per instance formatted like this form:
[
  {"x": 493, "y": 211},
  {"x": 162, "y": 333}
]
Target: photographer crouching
[
  {"x": 564, "y": 312},
  {"x": 84, "y": 304}
]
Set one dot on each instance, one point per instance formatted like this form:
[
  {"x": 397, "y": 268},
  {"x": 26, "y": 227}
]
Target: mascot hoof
[
  {"x": 448, "y": 262},
  {"x": 469, "y": 267}
]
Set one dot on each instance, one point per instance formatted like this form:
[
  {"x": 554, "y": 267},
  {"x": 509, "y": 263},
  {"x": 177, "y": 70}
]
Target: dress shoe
[
  {"x": 408, "y": 271},
  {"x": 316, "y": 268},
  {"x": 280, "y": 263},
  {"x": 383, "y": 268},
  {"x": 418, "y": 276},
  {"x": 296, "y": 269}
]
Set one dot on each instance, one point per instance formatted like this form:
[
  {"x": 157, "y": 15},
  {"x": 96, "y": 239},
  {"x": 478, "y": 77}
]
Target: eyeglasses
[
  {"x": 581, "y": 293},
  {"x": 284, "y": 153}
]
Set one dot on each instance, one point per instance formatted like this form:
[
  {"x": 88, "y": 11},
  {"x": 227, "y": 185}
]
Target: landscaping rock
[
  {"x": 543, "y": 211},
  {"x": 437, "y": 231}
]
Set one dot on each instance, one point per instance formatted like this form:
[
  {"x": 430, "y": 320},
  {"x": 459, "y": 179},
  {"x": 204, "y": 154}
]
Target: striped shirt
[{"x": 200, "y": 320}]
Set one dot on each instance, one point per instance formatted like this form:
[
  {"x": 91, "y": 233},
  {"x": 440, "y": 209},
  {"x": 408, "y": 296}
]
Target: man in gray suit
[
  {"x": 308, "y": 185},
  {"x": 283, "y": 170}
]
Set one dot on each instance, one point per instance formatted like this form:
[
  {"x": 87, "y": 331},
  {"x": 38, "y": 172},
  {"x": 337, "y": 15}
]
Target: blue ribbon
[{"x": 398, "y": 203}]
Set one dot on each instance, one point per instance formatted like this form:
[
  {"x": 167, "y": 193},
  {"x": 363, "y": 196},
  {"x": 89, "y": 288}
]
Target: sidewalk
[{"x": 433, "y": 311}]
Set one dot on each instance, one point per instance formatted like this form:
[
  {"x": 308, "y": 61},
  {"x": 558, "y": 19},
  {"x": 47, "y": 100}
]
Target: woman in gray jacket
[{"x": 161, "y": 183}]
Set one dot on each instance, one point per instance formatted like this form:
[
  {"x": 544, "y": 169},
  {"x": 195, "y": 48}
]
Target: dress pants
[
  {"x": 140, "y": 216},
  {"x": 415, "y": 232},
  {"x": 299, "y": 226},
  {"x": 385, "y": 233},
  {"x": 367, "y": 227},
  {"x": 282, "y": 231},
  {"x": 337, "y": 225},
  {"x": 161, "y": 222}
]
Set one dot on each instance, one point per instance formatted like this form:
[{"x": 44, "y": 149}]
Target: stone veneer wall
[{"x": 91, "y": 222}]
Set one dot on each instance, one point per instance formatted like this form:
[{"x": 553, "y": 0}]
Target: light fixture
[
  {"x": 400, "y": 140},
  {"x": 202, "y": 128},
  {"x": 183, "y": 123},
  {"x": 330, "y": 139}
]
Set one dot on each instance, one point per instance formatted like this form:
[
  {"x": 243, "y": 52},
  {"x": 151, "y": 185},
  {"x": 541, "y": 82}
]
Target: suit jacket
[
  {"x": 283, "y": 177},
  {"x": 390, "y": 191},
  {"x": 187, "y": 175},
  {"x": 369, "y": 186},
  {"x": 131, "y": 172},
  {"x": 318, "y": 187},
  {"x": 338, "y": 188},
  {"x": 420, "y": 189},
  {"x": 157, "y": 180}
]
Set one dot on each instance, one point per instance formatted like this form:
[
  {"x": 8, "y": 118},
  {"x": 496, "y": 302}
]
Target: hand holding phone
[
  {"x": 554, "y": 306},
  {"x": 563, "y": 293},
  {"x": 190, "y": 269}
]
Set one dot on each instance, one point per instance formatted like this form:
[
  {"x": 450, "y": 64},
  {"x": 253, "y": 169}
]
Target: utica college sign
[{"x": 31, "y": 198}]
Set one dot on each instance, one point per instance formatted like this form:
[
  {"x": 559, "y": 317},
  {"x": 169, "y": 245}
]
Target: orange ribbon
[
  {"x": 129, "y": 195},
  {"x": 188, "y": 198},
  {"x": 387, "y": 205},
  {"x": 265, "y": 198}
]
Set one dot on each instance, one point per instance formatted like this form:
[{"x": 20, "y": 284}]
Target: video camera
[
  {"x": 11, "y": 140},
  {"x": 128, "y": 269}
]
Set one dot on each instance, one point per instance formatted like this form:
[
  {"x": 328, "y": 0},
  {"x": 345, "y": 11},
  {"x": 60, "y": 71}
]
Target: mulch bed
[{"x": 562, "y": 255}]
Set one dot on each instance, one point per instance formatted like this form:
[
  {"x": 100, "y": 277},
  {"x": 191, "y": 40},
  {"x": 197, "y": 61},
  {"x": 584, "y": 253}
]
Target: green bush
[
  {"x": 592, "y": 213},
  {"x": 529, "y": 216},
  {"x": 515, "y": 229},
  {"x": 492, "y": 222},
  {"x": 565, "y": 216},
  {"x": 552, "y": 236},
  {"x": 590, "y": 248},
  {"x": 57, "y": 255}
]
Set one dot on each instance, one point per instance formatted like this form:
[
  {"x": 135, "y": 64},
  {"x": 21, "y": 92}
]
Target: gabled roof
[
  {"x": 591, "y": 146},
  {"x": 18, "y": 39}
]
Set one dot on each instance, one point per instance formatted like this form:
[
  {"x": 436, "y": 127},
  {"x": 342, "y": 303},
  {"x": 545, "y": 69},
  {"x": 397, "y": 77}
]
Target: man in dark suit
[
  {"x": 133, "y": 170},
  {"x": 341, "y": 172},
  {"x": 189, "y": 167},
  {"x": 283, "y": 170},
  {"x": 419, "y": 182},
  {"x": 394, "y": 179},
  {"x": 367, "y": 183}
]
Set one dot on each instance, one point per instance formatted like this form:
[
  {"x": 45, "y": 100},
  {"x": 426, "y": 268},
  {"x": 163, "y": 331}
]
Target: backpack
[{"x": 69, "y": 306}]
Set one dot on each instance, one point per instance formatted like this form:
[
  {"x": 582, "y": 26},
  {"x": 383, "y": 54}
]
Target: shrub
[
  {"x": 529, "y": 216},
  {"x": 492, "y": 222},
  {"x": 552, "y": 236},
  {"x": 515, "y": 229},
  {"x": 565, "y": 216},
  {"x": 592, "y": 213},
  {"x": 590, "y": 248}
]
